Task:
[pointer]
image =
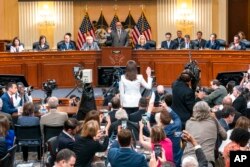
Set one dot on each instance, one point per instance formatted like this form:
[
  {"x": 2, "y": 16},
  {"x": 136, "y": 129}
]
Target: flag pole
[
  {"x": 129, "y": 20},
  {"x": 142, "y": 15}
]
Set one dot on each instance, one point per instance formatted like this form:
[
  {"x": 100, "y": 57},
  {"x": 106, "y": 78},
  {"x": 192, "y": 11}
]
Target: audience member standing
[
  {"x": 183, "y": 96},
  {"x": 129, "y": 87},
  {"x": 87, "y": 144}
]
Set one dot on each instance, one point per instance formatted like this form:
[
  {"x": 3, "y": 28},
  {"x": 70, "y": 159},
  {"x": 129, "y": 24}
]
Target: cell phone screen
[
  {"x": 124, "y": 124},
  {"x": 144, "y": 119},
  {"x": 157, "y": 150}
]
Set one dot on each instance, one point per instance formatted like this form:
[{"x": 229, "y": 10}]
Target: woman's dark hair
[
  {"x": 92, "y": 115},
  {"x": 240, "y": 136},
  {"x": 13, "y": 41},
  {"x": 28, "y": 109},
  {"x": 230, "y": 86},
  {"x": 131, "y": 70},
  {"x": 4, "y": 125},
  {"x": 186, "y": 75},
  {"x": 40, "y": 38}
]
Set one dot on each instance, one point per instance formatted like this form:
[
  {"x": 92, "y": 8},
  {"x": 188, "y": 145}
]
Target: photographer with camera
[
  {"x": 245, "y": 79},
  {"x": 23, "y": 95}
]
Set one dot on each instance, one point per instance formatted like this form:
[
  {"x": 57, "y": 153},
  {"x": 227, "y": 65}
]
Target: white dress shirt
[{"x": 130, "y": 90}]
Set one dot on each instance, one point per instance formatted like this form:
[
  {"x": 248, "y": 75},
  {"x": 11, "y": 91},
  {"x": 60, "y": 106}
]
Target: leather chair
[
  {"x": 12, "y": 152},
  {"x": 247, "y": 44},
  {"x": 4, "y": 162},
  {"x": 223, "y": 44},
  {"x": 34, "y": 45},
  {"x": 152, "y": 44}
]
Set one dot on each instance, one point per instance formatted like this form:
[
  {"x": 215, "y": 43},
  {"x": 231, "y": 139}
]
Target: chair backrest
[
  {"x": 7, "y": 46},
  {"x": 4, "y": 162},
  {"x": 53, "y": 147},
  {"x": 59, "y": 44},
  {"x": 247, "y": 44},
  {"x": 152, "y": 44},
  {"x": 34, "y": 45},
  {"x": 28, "y": 132},
  {"x": 12, "y": 152},
  {"x": 51, "y": 131},
  {"x": 223, "y": 43}
]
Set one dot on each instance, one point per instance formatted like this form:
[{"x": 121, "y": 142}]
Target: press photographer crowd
[{"x": 191, "y": 126}]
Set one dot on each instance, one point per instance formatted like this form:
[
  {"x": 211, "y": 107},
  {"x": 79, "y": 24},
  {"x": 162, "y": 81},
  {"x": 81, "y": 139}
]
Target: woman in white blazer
[
  {"x": 16, "y": 47},
  {"x": 130, "y": 84}
]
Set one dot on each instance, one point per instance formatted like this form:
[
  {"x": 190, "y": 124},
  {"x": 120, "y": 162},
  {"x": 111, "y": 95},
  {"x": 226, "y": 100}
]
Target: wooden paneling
[{"x": 168, "y": 64}]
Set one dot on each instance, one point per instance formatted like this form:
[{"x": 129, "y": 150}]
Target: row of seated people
[
  {"x": 240, "y": 43},
  {"x": 168, "y": 124}
]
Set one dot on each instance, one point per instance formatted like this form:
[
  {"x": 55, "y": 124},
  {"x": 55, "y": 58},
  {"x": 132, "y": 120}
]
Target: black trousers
[
  {"x": 25, "y": 150},
  {"x": 130, "y": 110}
]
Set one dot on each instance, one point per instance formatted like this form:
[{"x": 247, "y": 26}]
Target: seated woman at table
[
  {"x": 142, "y": 43},
  {"x": 42, "y": 44},
  {"x": 16, "y": 45},
  {"x": 87, "y": 144},
  {"x": 157, "y": 136},
  {"x": 28, "y": 119}
]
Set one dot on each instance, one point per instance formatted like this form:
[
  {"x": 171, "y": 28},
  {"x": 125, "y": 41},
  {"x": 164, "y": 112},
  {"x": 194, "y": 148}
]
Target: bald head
[
  {"x": 227, "y": 101},
  {"x": 160, "y": 89}
]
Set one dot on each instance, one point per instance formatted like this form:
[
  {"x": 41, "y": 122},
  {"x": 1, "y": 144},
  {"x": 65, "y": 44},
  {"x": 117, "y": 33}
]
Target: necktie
[
  {"x": 119, "y": 33},
  {"x": 89, "y": 47},
  {"x": 11, "y": 100}
]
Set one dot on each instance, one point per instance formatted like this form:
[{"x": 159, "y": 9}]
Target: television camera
[{"x": 48, "y": 86}]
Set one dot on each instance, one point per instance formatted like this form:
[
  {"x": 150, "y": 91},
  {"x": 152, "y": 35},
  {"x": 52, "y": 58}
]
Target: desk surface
[{"x": 37, "y": 67}]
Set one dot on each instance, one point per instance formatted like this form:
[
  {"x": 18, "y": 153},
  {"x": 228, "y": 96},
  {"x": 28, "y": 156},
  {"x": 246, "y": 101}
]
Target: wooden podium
[{"x": 116, "y": 56}]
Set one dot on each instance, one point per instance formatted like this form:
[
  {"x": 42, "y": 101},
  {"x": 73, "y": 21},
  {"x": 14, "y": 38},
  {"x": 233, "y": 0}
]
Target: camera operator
[
  {"x": 245, "y": 79},
  {"x": 22, "y": 96},
  {"x": 216, "y": 97}
]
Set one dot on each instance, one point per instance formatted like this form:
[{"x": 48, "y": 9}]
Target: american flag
[
  {"x": 141, "y": 28},
  {"x": 85, "y": 30},
  {"x": 113, "y": 22}
]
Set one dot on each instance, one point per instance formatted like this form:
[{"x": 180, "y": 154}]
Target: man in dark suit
[
  {"x": 183, "y": 97},
  {"x": 125, "y": 156},
  {"x": 179, "y": 38},
  {"x": 200, "y": 43},
  {"x": 168, "y": 44},
  {"x": 67, "y": 44},
  {"x": 7, "y": 98},
  {"x": 119, "y": 37},
  {"x": 66, "y": 138},
  {"x": 187, "y": 44},
  {"x": 115, "y": 104},
  {"x": 137, "y": 116},
  {"x": 213, "y": 43}
]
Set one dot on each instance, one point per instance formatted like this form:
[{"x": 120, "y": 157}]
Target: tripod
[{"x": 75, "y": 88}]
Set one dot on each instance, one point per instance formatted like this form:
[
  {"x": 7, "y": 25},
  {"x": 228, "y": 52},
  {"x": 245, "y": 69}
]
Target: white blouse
[
  {"x": 130, "y": 90},
  {"x": 14, "y": 49}
]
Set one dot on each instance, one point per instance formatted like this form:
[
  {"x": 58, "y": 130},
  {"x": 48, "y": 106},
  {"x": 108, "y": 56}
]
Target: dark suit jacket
[
  {"x": 215, "y": 46},
  {"x": 112, "y": 115},
  {"x": 85, "y": 149},
  {"x": 130, "y": 125},
  {"x": 116, "y": 41},
  {"x": 71, "y": 46},
  {"x": 179, "y": 41},
  {"x": 191, "y": 45},
  {"x": 8, "y": 107},
  {"x": 240, "y": 104},
  {"x": 201, "y": 43},
  {"x": 64, "y": 141},
  {"x": 126, "y": 157},
  {"x": 39, "y": 47},
  {"x": 137, "y": 116},
  {"x": 173, "y": 45},
  {"x": 144, "y": 47},
  {"x": 224, "y": 124},
  {"x": 183, "y": 100}
]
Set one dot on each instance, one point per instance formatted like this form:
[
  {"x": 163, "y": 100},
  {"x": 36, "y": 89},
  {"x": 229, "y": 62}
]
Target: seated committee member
[
  {"x": 67, "y": 44},
  {"x": 200, "y": 43},
  {"x": 213, "y": 43},
  {"x": 179, "y": 38},
  {"x": 237, "y": 44},
  {"x": 16, "y": 45},
  {"x": 142, "y": 43},
  {"x": 90, "y": 44},
  {"x": 169, "y": 44},
  {"x": 118, "y": 37},
  {"x": 125, "y": 155},
  {"x": 7, "y": 98},
  {"x": 42, "y": 44},
  {"x": 187, "y": 43}
]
